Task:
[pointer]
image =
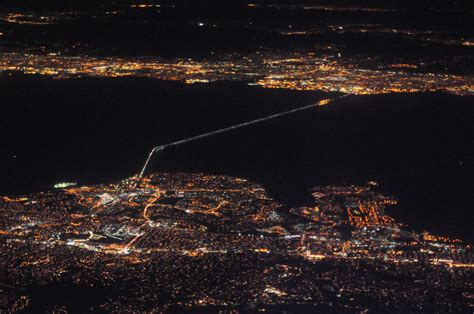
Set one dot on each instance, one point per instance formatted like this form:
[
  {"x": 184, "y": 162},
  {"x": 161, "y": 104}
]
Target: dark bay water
[{"x": 417, "y": 146}]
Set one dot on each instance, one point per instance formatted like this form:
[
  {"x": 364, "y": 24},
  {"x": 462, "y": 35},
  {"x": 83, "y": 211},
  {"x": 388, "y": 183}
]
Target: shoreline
[{"x": 414, "y": 145}]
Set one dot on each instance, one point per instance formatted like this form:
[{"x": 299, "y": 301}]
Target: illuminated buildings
[
  {"x": 294, "y": 71},
  {"x": 219, "y": 242}
]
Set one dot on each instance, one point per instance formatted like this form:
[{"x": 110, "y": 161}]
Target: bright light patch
[{"x": 63, "y": 185}]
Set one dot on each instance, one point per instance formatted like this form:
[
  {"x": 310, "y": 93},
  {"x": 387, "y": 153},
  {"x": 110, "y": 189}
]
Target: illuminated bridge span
[{"x": 273, "y": 116}]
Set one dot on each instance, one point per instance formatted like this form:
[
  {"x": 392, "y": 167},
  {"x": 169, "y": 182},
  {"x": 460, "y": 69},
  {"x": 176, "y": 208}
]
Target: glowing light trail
[{"x": 273, "y": 116}]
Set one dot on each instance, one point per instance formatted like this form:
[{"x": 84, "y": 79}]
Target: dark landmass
[
  {"x": 401, "y": 4},
  {"x": 207, "y": 29}
]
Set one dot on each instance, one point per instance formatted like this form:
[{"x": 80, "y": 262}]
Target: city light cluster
[
  {"x": 221, "y": 241},
  {"x": 296, "y": 72}
]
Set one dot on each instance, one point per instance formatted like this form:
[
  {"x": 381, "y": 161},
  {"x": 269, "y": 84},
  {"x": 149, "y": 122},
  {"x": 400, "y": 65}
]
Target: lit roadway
[{"x": 273, "y": 116}]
